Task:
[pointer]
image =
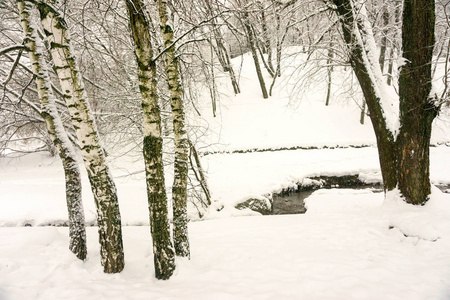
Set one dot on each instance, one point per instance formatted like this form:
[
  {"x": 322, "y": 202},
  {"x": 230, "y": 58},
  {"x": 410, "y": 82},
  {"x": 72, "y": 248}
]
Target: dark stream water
[{"x": 293, "y": 201}]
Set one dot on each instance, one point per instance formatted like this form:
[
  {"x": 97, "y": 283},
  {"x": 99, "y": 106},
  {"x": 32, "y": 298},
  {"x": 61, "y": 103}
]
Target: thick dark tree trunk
[
  {"x": 404, "y": 160},
  {"x": 417, "y": 109}
]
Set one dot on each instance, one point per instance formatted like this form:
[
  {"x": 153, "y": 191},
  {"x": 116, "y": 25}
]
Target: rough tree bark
[
  {"x": 404, "y": 156},
  {"x": 417, "y": 108},
  {"x": 56, "y": 131},
  {"x": 163, "y": 251},
  {"x": 179, "y": 188},
  {"x": 103, "y": 187}
]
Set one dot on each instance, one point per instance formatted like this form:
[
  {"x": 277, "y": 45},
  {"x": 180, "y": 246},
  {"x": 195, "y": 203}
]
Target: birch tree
[
  {"x": 403, "y": 132},
  {"x": 179, "y": 189},
  {"x": 56, "y": 131},
  {"x": 103, "y": 187},
  {"x": 163, "y": 252}
]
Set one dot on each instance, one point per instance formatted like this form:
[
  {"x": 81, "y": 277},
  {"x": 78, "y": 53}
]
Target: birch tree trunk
[
  {"x": 56, "y": 131},
  {"x": 103, "y": 187},
  {"x": 179, "y": 189},
  {"x": 164, "y": 254}
]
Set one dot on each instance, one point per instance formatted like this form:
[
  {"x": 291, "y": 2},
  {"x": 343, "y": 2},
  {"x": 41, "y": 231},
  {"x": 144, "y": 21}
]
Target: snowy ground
[
  {"x": 342, "y": 248},
  {"x": 349, "y": 245}
]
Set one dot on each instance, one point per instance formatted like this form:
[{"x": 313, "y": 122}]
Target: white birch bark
[
  {"x": 179, "y": 189},
  {"x": 56, "y": 131},
  {"x": 103, "y": 187},
  {"x": 163, "y": 251}
]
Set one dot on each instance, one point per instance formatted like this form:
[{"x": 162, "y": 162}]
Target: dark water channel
[{"x": 292, "y": 201}]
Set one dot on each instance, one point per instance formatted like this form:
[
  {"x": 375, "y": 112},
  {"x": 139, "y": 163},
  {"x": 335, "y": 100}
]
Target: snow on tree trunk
[
  {"x": 403, "y": 149},
  {"x": 33, "y": 44},
  {"x": 103, "y": 187},
  {"x": 163, "y": 251},
  {"x": 363, "y": 66},
  {"x": 179, "y": 189}
]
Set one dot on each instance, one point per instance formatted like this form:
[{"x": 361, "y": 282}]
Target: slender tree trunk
[
  {"x": 417, "y": 109},
  {"x": 384, "y": 39},
  {"x": 229, "y": 67},
  {"x": 103, "y": 187},
  {"x": 391, "y": 65},
  {"x": 280, "y": 41},
  {"x": 212, "y": 83},
  {"x": 163, "y": 251},
  {"x": 222, "y": 52},
  {"x": 265, "y": 46},
  {"x": 179, "y": 189},
  {"x": 252, "y": 43},
  {"x": 329, "y": 69},
  {"x": 56, "y": 131},
  {"x": 199, "y": 174},
  {"x": 363, "y": 112},
  {"x": 265, "y": 64},
  {"x": 393, "y": 44}
]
